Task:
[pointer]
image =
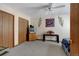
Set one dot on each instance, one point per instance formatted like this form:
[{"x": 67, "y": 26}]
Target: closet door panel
[
  {"x": 22, "y": 30},
  {"x": 1, "y": 30},
  {"x": 8, "y": 35},
  {"x": 11, "y": 30},
  {"x": 5, "y": 30}
]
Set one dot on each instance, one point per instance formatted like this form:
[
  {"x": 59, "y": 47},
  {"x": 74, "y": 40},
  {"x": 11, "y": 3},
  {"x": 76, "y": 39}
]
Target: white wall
[
  {"x": 64, "y": 32},
  {"x": 16, "y": 15}
]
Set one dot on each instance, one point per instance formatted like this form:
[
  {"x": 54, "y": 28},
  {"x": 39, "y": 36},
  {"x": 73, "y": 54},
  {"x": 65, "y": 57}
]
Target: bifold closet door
[
  {"x": 23, "y": 24},
  {"x": 1, "y": 30},
  {"x": 8, "y": 30}
]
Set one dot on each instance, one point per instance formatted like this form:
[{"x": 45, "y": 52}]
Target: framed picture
[{"x": 50, "y": 22}]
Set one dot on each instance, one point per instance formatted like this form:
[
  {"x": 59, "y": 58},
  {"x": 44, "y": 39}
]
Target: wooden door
[
  {"x": 11, "y": 30},
  {"x": 74, "y": 32},
  {"x": 23, "y": 24},
  {"x": 1, "y": 30},
  {"x": 8, "y": 30}
]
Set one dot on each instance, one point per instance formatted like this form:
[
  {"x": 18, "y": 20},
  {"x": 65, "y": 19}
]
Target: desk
[
  {"x": 57, "y": 36},
  {"x": 32, "y": 36}
]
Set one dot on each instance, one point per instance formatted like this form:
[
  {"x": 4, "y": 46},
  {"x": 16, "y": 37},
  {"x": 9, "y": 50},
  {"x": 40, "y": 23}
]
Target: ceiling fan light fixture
[{"x": 49, "y": 14}]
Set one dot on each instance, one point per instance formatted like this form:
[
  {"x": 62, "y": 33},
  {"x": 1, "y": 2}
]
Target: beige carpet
[{"x": 37, "y": 48}]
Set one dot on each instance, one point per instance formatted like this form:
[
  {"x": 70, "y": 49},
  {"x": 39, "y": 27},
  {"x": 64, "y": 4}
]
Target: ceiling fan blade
[
  {"x": 61, "y": 6},
  {"x": 45, "y": 6},
  {"x": 42, "y": 7}
]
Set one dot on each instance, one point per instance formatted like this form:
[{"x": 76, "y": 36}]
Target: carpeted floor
[{"x": 37, "y": 48}]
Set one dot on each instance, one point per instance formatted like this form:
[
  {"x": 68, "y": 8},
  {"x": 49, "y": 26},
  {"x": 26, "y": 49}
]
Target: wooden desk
[
  {"x": 32, "y": 36},
  {"x": 57, "y": 36}
]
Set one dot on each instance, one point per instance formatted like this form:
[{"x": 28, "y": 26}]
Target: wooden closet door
[
  {"x": 22, "y": 30},
  {"x": 1, "y": 30},
  {"x": 8, "y": 27},
  {"x": 74, "y": 17},
  {"x": 11, "y": 31}
]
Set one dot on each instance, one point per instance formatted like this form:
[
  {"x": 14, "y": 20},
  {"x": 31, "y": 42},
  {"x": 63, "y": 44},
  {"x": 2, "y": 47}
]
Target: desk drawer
[{"x": 32, "y": 36}]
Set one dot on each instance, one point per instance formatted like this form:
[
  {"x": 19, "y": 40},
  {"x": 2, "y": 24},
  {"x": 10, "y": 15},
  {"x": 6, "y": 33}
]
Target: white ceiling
[{"x": 32, "y": 9}]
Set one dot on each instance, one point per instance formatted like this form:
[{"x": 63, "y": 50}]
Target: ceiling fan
[{"x": 51, "y": 7}]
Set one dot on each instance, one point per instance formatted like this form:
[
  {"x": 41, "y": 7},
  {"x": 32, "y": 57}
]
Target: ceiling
[{"x": 32, "y": 9}]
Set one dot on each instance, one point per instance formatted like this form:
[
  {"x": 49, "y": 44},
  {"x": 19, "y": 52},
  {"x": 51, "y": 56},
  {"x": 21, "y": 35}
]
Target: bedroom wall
[
  {"x": 16, "y": 15},
  {"x": 64, "y": 32}
]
